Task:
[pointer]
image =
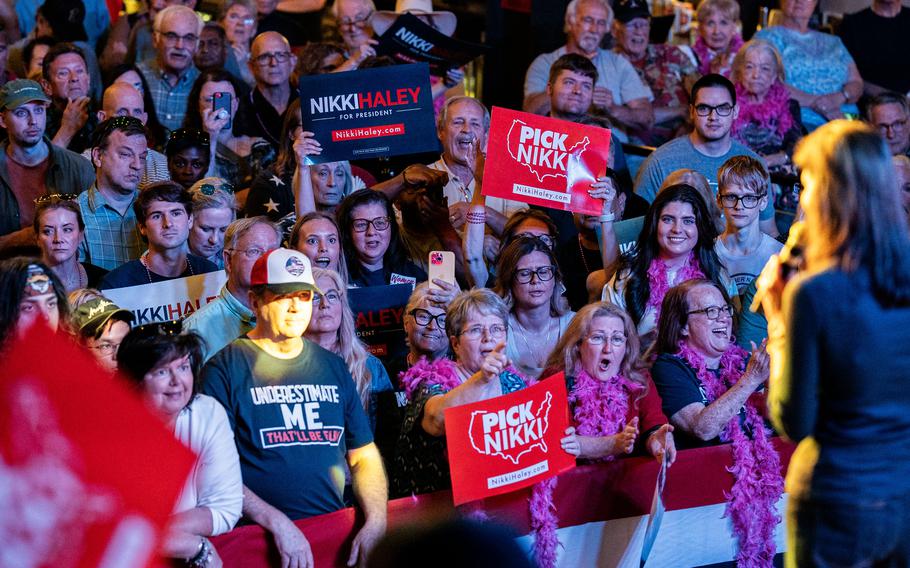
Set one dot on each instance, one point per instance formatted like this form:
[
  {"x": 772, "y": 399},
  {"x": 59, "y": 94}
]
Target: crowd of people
[{"x": 161, "y": 147}]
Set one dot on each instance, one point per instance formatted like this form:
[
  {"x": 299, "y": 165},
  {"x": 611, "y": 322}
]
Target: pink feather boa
[
  {"x": 600, "y": 409},
  {"x": 757, "y": 481},
  {"x": 773, "y": 113},
  {"x": 659, "y": 283},
  {"x": 442, "y": 372},
  {"x": 706, "y": 55}
]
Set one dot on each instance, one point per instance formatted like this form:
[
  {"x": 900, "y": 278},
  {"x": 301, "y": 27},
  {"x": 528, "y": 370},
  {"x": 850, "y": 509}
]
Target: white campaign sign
[{"x": 170, "y": 300}]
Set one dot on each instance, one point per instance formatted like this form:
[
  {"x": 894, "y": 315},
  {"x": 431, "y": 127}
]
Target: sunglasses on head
[{"x": 55, "y": 198}]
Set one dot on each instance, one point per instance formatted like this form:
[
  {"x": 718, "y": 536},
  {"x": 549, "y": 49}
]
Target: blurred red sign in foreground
[{"x": 89, "y": 474}]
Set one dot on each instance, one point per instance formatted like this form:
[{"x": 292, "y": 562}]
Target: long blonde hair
[{"x": 348, "y": 345}]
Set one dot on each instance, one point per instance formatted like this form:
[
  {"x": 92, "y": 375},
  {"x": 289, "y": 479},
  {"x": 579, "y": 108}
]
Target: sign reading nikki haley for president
[{"x": 387, "y": 111}]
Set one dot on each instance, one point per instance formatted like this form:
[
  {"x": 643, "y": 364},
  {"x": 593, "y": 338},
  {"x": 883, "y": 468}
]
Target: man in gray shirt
[{"x": 713, "y": 110}]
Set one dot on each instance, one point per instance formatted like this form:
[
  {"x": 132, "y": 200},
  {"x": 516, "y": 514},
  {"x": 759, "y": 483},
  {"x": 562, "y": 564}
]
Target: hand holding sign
[
  {"x": 604, "y": 189},
  {"x": 494, "y": 363},
  {"x": 306, "y": 145},
  {"x": 660, "y": 444}
]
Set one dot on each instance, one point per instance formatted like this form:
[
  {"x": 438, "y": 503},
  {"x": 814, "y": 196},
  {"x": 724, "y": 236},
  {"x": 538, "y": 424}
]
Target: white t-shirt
[{"x": 457, "y": 191}]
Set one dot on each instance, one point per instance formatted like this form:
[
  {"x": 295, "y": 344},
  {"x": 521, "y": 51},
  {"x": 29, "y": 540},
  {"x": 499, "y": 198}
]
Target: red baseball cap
[{"x": 283, "y": 271}]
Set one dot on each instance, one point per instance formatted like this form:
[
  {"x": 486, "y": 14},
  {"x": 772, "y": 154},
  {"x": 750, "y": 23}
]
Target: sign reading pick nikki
[
  {"x": 509, "y": 442},
  {"x": 545, "y": 161},
  {"x": 409, "y": 40},
  {"x": 387, "y": 111}
]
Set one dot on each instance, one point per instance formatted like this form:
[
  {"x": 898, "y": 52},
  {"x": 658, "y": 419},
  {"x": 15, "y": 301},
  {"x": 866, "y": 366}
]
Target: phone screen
[{"x": 442, "y": 267}]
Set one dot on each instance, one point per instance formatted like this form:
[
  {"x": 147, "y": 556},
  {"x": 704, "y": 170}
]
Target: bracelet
[
  {"x": 203, "y": 557},
  {"x": 606, "y": 218},
  {"x": 476, "y": 218}
]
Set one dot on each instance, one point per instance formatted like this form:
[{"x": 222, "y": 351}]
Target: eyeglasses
[
  {"x": 266, "y": 58},
  {"x": 543, "y": 273},
  {"x": 424, "y": 317},
  {"x": 106, "y": 348},
  {"x": 495, "y": 331},
  {"x": 721, "y": 110},
  {"x": 713, "y": 312},
  {"x": 749, "y": 201},
  {"x": 332, "y": 298},
  {"x": 190, "y": 134},
  {"x": 172, "y": 327},
  {"x": 171, "y": 39},
  {"x": 885, "y": 127},
  {"x": 55, "y": 198},
  {"x": 359, "y": 21},
  {"x": 209, "y": 189},
  {"x": 379, "y": 223},
  {"x": 616, "y": 340},
  {"x": 638, "y": 26},
  {"x": 250, "y": 253}
]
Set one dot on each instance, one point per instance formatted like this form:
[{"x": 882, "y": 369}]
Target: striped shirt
[
  {"x": 110, "y": 239},
  {"x": 170, "y": 101}
]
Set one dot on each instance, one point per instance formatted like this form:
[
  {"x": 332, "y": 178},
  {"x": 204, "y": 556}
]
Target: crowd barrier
[{"x": 602, "y": 509}]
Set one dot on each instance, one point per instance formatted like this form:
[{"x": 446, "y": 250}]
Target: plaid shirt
[
  {"x": 111, "y": 239},
  {"x": 170, "y": 102}
]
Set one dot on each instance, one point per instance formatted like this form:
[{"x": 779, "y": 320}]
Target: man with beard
[
  {"x": 618, "y": 92},
  {"x": 171, "y": 73},
  {"x": 30, "y": 166},
  {"x": 230, "y": 315},
  {"x": 462, "y": 126}
]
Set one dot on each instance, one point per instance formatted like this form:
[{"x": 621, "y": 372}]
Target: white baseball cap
[{"x": 283, "y": 271}]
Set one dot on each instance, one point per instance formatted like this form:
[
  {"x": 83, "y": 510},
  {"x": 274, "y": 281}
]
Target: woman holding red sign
[
  {"x": 477, "y": 325},
  {"x": 615, "y": 407}
]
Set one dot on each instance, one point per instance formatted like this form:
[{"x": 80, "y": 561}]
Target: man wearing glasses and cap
[
  {"x": 296, "y": 415},
  {"x": 30, "y": 166}
]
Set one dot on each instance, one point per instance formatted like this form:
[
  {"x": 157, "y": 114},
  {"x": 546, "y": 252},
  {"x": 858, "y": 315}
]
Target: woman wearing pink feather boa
[
  {"x": 676, "y": 244},
  {"x": 769, "y": 121},
  {"x": 712, "y": 390},
  {"x": 615, "y": 407},
  {"x": 477, "y": 327}
]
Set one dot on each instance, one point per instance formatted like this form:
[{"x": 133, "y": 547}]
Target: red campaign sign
[
  {"x": 509, "y": 442},
  {"x": 545, "y": 161},
  {"x": 90, "y": 476}
]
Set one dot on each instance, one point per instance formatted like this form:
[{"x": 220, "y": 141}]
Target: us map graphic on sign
[
  {"x": 508, "y": 442},
  {"x": 545, "y": 161},
  {"x": 513, "y": 432},
  {"x": 543, "y": 152}
]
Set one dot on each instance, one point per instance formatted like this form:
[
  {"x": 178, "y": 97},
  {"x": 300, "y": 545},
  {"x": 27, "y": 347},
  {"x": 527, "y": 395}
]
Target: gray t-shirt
[
  {"x": 681, "y": 154},
  {"x": 744, "y": 269},
  {"x": 614, "y": 72}
]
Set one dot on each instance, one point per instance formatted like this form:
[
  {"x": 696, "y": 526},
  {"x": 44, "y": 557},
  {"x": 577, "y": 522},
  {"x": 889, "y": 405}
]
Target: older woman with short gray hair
[{"x": 477, "y": 325}]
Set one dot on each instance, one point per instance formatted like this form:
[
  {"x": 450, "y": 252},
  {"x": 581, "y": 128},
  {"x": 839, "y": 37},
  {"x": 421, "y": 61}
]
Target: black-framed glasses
[
  {"x": 379, "y": 223},
  {"x": 264, "y": 59},
  {"x": 210, "y": 189},
  {"x": 547, "y": 239},
  {"x": 424, "y": 317},
  {"x": 333, "y": 298},
  {"x": 543, "y": 273},
  {"x": 748, "y": 201},
  {"x": 721, "y": 110},
  {"x": 713, "y": 312},
  {"x": 172, "y": 327},
  {"x": 55, "y": 198}
]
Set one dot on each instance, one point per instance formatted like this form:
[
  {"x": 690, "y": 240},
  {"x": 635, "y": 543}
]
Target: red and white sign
[
  {"x": 545, "y": 161},
  {"x": 89, "y": 475},
  {"x": 505, "y": 443}
]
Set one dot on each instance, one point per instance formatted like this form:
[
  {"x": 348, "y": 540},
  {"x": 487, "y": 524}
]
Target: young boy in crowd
[{"x": 742, "y": 193}]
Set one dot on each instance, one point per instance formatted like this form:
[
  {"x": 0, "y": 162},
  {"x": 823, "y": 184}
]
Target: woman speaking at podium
[{"x": 840, "y": 355}]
